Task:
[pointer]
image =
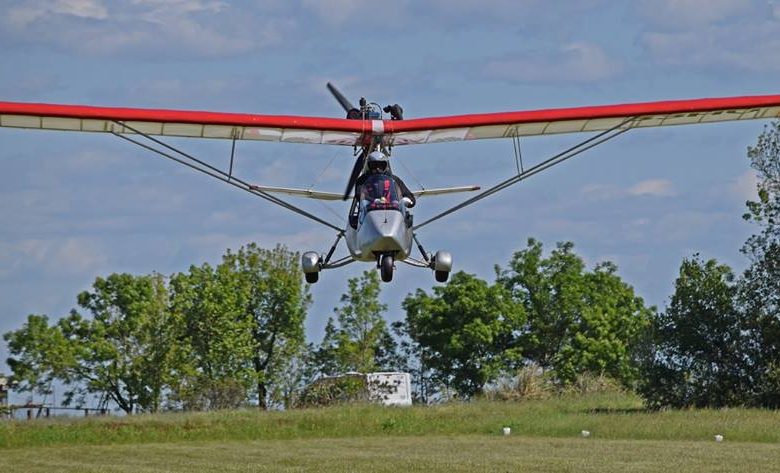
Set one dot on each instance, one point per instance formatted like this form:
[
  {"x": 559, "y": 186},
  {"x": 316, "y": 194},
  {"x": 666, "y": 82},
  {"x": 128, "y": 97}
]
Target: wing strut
[
  {"x": 205, "y": 168},
  {"x": 571, "y": 152}
]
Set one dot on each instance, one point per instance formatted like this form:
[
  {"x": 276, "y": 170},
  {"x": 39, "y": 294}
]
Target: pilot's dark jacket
[{"x": 404, "y": 191}]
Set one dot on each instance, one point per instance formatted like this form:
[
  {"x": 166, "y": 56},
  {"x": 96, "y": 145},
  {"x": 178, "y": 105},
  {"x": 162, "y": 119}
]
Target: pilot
[{"x": 377, "y": 164}]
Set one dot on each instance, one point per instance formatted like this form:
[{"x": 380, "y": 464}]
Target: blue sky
[{"x": 76, "y": 206}]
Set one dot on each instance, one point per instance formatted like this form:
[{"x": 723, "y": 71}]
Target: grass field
[{"x": 454, "y": 437}]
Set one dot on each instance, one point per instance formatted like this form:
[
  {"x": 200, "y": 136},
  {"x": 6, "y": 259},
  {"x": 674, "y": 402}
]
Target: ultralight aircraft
[{"x": 380, "y": 227}]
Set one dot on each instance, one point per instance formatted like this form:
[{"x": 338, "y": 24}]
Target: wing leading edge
[
  {"x": 582, "y": 119},
  {"x": 339, "y": 131}
]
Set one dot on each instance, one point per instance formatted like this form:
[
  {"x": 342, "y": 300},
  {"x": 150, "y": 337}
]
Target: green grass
[
  {"x": 606, "y": 416},
  {"x": 465, "y": 453}
]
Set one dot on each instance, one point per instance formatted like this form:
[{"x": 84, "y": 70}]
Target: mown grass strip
[
  {"x": 451, "y": 454},
  {"x": 606, "y": 416}
]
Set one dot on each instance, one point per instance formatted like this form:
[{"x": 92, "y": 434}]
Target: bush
[
  {"x": 335, "y": 390},
  {"x": 532, "y": 382}
]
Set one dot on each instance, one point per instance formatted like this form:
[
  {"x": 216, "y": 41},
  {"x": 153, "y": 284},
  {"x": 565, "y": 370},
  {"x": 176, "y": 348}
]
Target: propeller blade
[
  {"x": 356, "y": 169},
  {"x": 345, "y": 104}
]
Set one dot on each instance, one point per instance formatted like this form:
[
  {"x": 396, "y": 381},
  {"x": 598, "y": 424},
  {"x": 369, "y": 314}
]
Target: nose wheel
[{"x": 386, "y": 267}]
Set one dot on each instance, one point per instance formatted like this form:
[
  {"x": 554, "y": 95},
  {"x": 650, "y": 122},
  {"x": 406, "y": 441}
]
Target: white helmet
[{"x": 377, "y": 161}]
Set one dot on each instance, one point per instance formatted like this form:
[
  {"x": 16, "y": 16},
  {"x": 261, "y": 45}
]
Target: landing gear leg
[{"x": 386, "y": 267}]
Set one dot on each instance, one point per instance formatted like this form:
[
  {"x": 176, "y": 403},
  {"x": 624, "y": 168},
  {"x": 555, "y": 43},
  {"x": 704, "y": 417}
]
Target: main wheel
[
  {"x": 386, "y": 268},
  {"x": 442, "y": 276},
  {"x": 311, "y": 278}
]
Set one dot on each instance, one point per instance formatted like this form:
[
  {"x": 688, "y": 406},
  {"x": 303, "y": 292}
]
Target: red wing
[
  {"x": 339, "y": 131},
  {"x": 192, "y": 124},
  {"x": 581, "y": 119}
]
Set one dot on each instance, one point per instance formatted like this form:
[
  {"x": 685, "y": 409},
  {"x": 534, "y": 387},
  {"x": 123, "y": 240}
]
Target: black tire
[
  {"x": 386, "y": 268},
  {"x": 442, "y": 276},
  {"x": 311, "y": 278}
]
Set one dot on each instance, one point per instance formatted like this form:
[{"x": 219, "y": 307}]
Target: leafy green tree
[
  {"x": 760, "y": 284},
  {"x": 578, "y": 321},
  {"x": 699, "y": 342},
  {"x": 40, "y": 354},
  {"x": 358, "y": 339},
  {"x": 124, "y": 350},
  {"x": 275, "y": 299},
  {"x": 215, "y": 368},
  {"x": 244, "y": 321},
  {"x": 467, "y": 330}
]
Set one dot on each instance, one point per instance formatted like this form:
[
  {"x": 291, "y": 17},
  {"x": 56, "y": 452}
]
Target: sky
[{"x": 77, "y": 206}]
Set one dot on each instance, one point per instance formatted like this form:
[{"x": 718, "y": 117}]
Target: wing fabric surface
[
  {"x": 581, "y": 119},
  {"x": 192, "y": 124},
  {"x": 339, "y": 131}
]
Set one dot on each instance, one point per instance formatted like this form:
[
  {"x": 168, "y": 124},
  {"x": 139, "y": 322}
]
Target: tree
[
  {"x": 244, "y": 321},
  {"x": 40, "y": 354},
  {"x": 699, "y": 342},
  {"x": 760, "y": 285},
  {"x": 124, "y": 350},
  {"x": 578, "y": 321},
  {"x": 358, "y": 339},
  {"x": 467, "y": 331},
  {"x": 275, "y": 300},
  {"x": 217, "y": 338},
  {"x": 413, "y": 358}
]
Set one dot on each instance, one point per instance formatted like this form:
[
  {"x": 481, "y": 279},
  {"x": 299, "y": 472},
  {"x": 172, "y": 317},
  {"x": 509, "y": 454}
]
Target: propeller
[
  {"x": 352, "y": 113},
  {"x": 356, "y": 170}
]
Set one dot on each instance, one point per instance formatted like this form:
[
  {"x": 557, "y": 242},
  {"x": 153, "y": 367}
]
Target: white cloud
[
  {"x": 719, "y": 34},
  {"x": 68, "y": 256},
  {"x": 753, "y": 47},
  {"x": 653, "y": 187},
  {"x": 745, "y": 185},
  {"x": 648, "y": 187},
  {"x": 152, "y": 27},
  {"x": 574, "y": 62},
  {"x": 28, "y": 12}
]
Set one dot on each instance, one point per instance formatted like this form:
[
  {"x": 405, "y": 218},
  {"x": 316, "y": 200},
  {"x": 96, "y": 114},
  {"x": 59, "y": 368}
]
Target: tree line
[{"x": 233, "y": 334}]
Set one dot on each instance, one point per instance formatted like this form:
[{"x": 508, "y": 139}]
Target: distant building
[
  {"x": 391, "y": 389},
  {"x": 388, "y": 388}
]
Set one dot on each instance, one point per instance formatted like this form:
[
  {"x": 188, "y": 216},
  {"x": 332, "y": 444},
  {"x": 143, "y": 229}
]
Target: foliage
[
  {"x": 216, "y": 338},
  {"x": 700, "y": 342},
  {"x": 243, "y": 321},
  {"x": 760, "y": 285},
  {"x": 532, "y": 383},
  {"x": 40, "y": 353},
  {"x": 336, "y": 390},
  {"x": 577, "y": 320},
  {"x": 121, "y": 353},
  {"x": 124, "y": 349},
  {"x": 413, "y": 359},
  {"x": 358, "y": 340},
  {"x": 467, "y": 328},
  {"x": 275, "y": 300},
  {"x": 221, "y": 333}
]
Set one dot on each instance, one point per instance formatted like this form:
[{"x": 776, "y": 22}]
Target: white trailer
[{"x": 389, "y": 388}]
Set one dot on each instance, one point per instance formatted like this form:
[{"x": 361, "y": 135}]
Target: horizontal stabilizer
[
  {"x": 311, "y": 194},
  {"x": 445, "y": 190}
]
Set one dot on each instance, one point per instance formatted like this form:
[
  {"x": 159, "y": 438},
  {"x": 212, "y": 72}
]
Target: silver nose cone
[{"x": 382, "y": 231}]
